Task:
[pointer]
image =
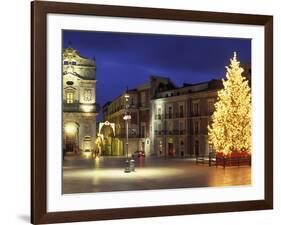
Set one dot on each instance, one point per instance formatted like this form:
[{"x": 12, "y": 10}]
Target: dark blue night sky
[{"x": 126, "y": 59}]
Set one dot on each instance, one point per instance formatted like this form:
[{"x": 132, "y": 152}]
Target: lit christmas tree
[{"x": 230, "y": 130}]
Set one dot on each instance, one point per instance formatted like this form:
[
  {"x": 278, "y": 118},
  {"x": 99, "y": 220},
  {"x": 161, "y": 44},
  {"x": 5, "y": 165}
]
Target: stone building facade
[
  {"x": 79, "y": 102},
  {"x": 140, "y": 123},
  {"x": 180, "y": 118},
  {"x": 167, "y": 121}
]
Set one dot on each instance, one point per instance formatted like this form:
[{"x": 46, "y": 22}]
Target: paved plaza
[{"x": 85, "y": 175}]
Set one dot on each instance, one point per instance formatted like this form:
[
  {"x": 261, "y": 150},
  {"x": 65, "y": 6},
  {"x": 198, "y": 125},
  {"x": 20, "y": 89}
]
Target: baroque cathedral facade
[{"x": 79, "y": 102}]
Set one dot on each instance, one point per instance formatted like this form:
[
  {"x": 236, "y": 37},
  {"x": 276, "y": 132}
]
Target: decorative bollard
[{"x": 132, "y": 165}]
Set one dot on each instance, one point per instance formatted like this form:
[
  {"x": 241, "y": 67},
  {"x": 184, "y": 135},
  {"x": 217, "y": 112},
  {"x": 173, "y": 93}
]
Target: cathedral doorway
[{"x": 71, "y": 137}]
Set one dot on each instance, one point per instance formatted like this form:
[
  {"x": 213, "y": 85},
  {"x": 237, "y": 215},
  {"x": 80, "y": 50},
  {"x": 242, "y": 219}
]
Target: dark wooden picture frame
[{"x": 40, "y": 9}]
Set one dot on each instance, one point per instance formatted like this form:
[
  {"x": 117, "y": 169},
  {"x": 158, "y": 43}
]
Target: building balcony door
[
  {"x": 171, "y": 149},
  {"x": 160, "y": 148}
]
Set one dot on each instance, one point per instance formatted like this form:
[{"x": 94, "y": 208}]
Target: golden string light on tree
[{"x": 231, "y": 128}]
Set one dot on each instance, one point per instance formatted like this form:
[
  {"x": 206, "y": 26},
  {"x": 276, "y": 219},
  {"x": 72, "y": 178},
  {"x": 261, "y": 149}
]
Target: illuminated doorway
[
  {"x": 171, "y": 149},
  {"x": 71, "y": 137}
]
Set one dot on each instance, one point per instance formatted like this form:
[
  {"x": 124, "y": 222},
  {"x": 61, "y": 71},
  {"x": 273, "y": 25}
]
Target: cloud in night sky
[{"x": 127, "y": 59}]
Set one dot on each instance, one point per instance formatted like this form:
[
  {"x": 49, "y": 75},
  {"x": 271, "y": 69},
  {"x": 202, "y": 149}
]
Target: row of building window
[
  {"x": 69, "y": 93},
  {"x": 132, "y": 103},
  {"x": 180, "y": 114},
  {"x": 175, "y": 132},
  {"x": 181, "y": 130},
  {"x": 196, "y": 147},
  {"x": 69, "y": 63},
  {"x": 121, "y": 133}
]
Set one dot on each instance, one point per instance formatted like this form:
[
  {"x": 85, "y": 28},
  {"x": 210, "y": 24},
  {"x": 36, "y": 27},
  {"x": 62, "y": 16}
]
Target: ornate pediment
[{"x": 79, "y": 66}]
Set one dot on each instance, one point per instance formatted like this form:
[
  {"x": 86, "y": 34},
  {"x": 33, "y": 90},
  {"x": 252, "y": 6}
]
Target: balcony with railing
[
  {"x": 179, "y": 115},
  {"x": 194, "y": 132},
  {"x": 169, "y": 116},
  {"x": 183, "y": 132},
  {"x": 78, "y": 107},
  {"x": 195, "y": 113},
  {"x": 122, "y": 107},
  {"x": 158, "y": 132},
  {"x": 170, "y": 132}
]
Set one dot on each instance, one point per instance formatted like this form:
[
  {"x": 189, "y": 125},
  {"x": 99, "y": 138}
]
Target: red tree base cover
[{"x": 235, "y": 154}]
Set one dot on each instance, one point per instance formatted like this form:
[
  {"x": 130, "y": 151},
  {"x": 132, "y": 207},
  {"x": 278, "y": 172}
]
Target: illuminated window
[
  {"x": 159, "y": 113},
  {"x": 69, "y": 97},
  {"x": 87, "y": 95},
  {"x": 159, "y": 110}
]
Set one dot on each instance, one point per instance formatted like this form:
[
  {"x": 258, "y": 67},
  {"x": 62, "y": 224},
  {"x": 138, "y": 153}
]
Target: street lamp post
[{"x": 127, "y": 117}]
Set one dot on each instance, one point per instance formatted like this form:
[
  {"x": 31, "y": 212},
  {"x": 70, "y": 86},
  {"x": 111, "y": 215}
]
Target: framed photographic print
[{"x": 143, "y": 112}]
